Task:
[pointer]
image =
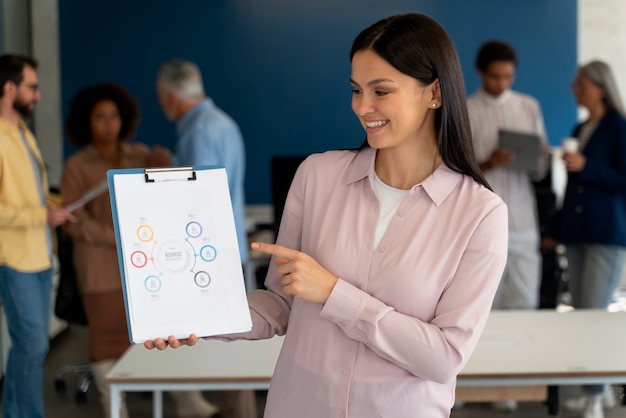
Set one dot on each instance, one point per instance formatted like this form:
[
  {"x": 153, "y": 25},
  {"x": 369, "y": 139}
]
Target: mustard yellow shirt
[{"x": 23, "y": 218}]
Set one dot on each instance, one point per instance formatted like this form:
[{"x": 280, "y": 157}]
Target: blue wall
[{"x": 281, "y": 67}]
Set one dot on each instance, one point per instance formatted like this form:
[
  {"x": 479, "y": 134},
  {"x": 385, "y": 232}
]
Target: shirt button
[
  {"x": 580, "y": 189},
  {"x": 579, "y": 209},
  {"x": 346, "y": 372},
  {"x": 381, "y": 249},
  {"x": 401, "y": 213},
  {"x": 342, "y": 324}
]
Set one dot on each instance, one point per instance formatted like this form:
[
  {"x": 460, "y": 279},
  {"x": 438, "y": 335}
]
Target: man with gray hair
[{"x": 206, "y": 136}]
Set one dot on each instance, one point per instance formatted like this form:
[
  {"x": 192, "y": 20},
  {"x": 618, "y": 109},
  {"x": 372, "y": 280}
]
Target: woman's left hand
[
  {"x": 161, "y": 344},
  {"x": 574, "y": 161},
  {"x": 302, "y": 276}
]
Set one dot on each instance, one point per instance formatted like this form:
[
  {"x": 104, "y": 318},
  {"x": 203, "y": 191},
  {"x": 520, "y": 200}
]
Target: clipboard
[
  {"x": 178, "y": 252},
  {"x": 526, "y": 147}
]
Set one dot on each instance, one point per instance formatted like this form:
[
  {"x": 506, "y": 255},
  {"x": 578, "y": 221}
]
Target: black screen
[{"x": 283, "y": 170}]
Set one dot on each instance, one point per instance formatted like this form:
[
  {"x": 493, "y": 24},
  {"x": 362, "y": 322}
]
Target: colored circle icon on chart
[
  {"x": 145, "y": 233},
  {"x": 172, "y": 255},
  {"x": 194, "y": 229},
  {"x": 208, "y": 253},
  {"x": 138, "y": 259},
  {"x": 202, "y": 279},
  {"x": 152, "y": 284}
]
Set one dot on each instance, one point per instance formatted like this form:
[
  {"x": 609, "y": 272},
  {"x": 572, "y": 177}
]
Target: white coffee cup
[{"x": 569, "y": 144}]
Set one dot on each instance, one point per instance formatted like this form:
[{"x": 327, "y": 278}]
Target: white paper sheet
[
  {"x": 91, "y": 194},
  {"x": 180, "y": 260}
]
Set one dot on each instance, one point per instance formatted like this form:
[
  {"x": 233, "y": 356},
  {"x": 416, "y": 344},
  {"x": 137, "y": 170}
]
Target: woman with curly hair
[{"x": 101, "y": 120}]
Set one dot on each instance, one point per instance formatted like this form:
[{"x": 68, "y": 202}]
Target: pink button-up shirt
[{"x": 405, "y": 316}]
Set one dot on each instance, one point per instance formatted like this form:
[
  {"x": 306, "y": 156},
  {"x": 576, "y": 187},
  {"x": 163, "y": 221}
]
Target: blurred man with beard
[{"x": 26, "y": 219}]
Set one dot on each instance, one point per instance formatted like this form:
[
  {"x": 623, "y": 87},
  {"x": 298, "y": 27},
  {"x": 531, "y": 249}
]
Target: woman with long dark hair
[{"x": 388, "y": 257}]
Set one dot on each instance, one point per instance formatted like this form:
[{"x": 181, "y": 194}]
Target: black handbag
[{"x": 68, "y": 304}]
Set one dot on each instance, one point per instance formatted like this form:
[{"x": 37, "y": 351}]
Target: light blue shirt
[{"x": 208, "y": 136}]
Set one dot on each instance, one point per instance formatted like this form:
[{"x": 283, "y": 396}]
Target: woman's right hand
[
  {"x": 161, "y": 344},
  {"x": 549, "y": 243},
  {"x": 574, "y": 161},
  {"x": 56, "y": 216}
]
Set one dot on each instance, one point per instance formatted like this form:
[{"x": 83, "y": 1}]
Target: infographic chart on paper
[{"x": 178, "y": 253}]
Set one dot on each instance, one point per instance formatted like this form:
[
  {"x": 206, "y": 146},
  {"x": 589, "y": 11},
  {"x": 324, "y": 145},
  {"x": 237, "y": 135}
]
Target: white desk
[
  {"x": 209, "y": 365},
  {"x": 524, "y": 355},
  {"x": 549, "y": 348},
  {"x": 517, "y": 348}
]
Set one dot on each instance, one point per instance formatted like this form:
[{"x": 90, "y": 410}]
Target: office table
[
  {"x": 517, "y": 350},
  {"x": 209, "y": 365},
  {"x": 522, "y": 352}
]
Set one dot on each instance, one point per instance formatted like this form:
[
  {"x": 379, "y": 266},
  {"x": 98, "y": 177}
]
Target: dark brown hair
[
  {"x": 495, "y": 51},
  {"x": 419, "y": 47},
  {"x": 78, "y": 122},
  {"x": 12, "y": 69}
]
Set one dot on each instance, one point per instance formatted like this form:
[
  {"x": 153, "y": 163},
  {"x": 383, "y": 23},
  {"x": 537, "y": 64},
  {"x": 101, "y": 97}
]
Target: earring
[{"x": 434, "y": 105}]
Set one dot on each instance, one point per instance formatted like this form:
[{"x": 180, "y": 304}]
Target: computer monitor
[{"x": 283, "y": 170}]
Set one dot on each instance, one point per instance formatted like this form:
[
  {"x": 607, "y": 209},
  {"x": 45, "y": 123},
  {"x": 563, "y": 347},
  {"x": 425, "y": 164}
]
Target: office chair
[
  {"x": 69, "y": 307},
  {"x": 84, "y": 380}
]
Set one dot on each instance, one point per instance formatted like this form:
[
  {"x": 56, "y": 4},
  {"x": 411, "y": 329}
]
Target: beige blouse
[{"x": 95, "y": 254}]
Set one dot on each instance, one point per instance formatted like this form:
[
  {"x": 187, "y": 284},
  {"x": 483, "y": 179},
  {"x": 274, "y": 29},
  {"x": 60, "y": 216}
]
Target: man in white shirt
[{"x": 493, "y": 107}]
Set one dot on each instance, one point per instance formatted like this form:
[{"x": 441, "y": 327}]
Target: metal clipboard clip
[{"x": 169, "y": 174}]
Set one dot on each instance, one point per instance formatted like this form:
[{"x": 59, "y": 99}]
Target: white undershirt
[
  {"x": 389, "y": 199},
  {"x": 585, "y": 133}
]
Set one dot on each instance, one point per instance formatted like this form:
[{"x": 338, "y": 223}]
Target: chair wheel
[
  {"x": 60, "y": 386},
  {"x": 80, "y": 397}
]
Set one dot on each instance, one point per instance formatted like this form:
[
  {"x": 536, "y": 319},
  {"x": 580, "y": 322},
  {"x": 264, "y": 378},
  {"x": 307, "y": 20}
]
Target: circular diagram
[
  {"x": 202, "y": 279},
  {"x": 172, "y": 256},
  {"x": 138, "y": 259},
  {"x": 194, "y": 229},
  {"x": 208, "y": 253},
  {"x": 145, "y": 233},
  {"x": 152, "y": 284}
]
